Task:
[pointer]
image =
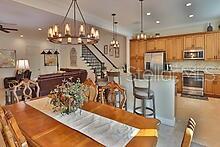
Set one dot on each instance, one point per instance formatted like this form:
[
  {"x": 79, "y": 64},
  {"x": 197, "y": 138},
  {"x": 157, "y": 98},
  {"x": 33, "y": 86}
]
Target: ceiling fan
[{"x": 5, "y": 29}]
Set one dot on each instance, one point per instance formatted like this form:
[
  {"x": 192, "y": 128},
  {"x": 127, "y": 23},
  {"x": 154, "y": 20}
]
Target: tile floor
[{"x": 206, "y": 114}]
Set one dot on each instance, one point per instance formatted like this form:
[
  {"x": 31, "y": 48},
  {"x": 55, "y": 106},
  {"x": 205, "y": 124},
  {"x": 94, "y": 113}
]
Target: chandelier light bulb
[
  {"x": 97, "y": 34},
  {"x": 50, "y": 32},
  {"x": 55, "y": 29},
  {"x": 82, "y": 30},
  {"x": 69, "y": 40},
  {"x": 92, "y": 32},
  {"x": 79, "y": 40},
  {"x": 60, "y": 39},
  {"x": 67, "y": 29}
]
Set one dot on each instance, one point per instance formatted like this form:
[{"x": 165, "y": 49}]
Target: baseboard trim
[{"x": 168, "y": 122}]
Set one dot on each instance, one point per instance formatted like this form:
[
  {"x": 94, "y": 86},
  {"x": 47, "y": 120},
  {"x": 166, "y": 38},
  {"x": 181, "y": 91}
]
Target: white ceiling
[{"x": 171, "y": 13}]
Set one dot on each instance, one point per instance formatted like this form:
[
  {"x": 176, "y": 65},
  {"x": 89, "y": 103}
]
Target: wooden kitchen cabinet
[
  {"x": 156, "y": 44},
  {"x": 137, "y": 50},
  {"x": 174, "y": 48},
  {"x": 218, "y": 46},
  {"x": 211, "y": 46},
  {"x": 194, "y": 41},
  {"x": 212, "y": 85}
]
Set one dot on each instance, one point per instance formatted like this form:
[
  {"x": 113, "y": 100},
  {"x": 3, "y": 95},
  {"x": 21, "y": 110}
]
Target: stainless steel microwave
[{"x": 194, "y": 54}]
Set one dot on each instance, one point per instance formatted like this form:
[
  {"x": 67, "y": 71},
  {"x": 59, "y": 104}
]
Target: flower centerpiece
[{"x": 68, "y": 97}]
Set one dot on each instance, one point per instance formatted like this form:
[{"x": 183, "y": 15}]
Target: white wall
[{"x": 27, "y": 48}]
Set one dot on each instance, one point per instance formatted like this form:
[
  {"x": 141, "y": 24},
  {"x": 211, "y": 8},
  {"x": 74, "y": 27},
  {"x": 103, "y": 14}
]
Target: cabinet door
[
  {"x": 179, "y": 82},
  {"x": 160, "y": 44},
  {"x": 218, "y": 46},
  {"x": 150, "y": 45},
  {"x": 133, "y": 55},
  {"x": 209, "y": 88},
  {"x": 210, "y": 46},
  {"x": 133, "y": 48},
  {"x": 170, "y": 49},
  {"x": 178, "y": 48},
  {"x": 188, "y": 42},
  {"x": 199, "y": 41},
  {"x": 133, "y": 64},
  {"x": 217, "y": 88},
  {"x": 142, "y": 47}
]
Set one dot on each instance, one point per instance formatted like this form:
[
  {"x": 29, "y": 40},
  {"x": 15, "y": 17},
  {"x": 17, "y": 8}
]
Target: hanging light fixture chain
[
  {"x": 71, "y": 4},
  {"x": 141, "y": 16}
]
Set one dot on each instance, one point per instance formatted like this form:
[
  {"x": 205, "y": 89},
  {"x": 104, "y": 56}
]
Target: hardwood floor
[{"x": 206, "y": 113}]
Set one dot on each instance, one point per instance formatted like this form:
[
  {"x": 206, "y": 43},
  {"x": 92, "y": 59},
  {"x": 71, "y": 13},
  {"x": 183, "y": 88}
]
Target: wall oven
[
  {"x": 197, "y": 54},
  {"x": 193, "y": 82}
]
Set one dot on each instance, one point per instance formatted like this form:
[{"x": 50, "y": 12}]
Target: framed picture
[
  {"x": 105, "y": 49},
  {"x": 7, "y": 58},
  {"x": 111, "y": 50},
  {"x": 50, "y": 60},
  {"x": 117, "y": 53}
]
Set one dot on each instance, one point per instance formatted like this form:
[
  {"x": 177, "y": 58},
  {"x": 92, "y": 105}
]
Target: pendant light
[
  {"x": 141, "y": 35},
  {"x": 114, "y": 43}
]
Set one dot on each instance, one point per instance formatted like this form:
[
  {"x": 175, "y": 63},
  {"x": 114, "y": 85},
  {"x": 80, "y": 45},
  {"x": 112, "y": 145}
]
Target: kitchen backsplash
[{"x": 198, "y": 65}]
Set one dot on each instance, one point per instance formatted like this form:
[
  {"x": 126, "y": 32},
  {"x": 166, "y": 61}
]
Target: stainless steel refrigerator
[{"x": 154, "y": 62}]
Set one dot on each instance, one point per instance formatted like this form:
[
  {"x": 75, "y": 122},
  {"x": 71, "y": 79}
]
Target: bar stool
[{"x": 143, "y": 94}]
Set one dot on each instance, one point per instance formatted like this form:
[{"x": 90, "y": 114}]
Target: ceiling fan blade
[
  {"x": 8, "y": 23},
  {"x": 5, "y": 31},
  {"x": 11, "y": 29}
]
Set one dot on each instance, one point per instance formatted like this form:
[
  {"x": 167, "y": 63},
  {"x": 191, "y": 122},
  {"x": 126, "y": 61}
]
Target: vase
[{"x": 209, "y": 28}]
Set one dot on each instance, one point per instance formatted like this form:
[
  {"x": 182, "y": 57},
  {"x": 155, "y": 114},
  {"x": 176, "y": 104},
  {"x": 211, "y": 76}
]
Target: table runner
[{"x": 108, "y": 132}]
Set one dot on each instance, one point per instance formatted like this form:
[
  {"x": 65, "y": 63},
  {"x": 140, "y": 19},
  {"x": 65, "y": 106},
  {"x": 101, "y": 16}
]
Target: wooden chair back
[
  {"x": 112, "y": 75},
  {"x": 12, "y": 135},
  {"x": 91, "y": 90},
  {"x": 188, "y": 134},
  {"x": 111, "y": 88},
  {"x": 25, "y": 86}
]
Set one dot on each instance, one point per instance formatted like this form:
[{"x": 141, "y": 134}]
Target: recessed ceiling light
[
  {"x": 191, "y": 16},
  {"x": 157, "y": 21},
  {"x": 39, "y": 29},
  {"x": 148, "y": 13},
  {"x": 21, "y": 36},
  {"x": 189, "y": 4}
]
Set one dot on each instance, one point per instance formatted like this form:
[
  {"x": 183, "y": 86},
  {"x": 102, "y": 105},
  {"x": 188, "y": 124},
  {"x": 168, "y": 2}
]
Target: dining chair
[
  {"x": 12, "y": 134},
  {"x": 113, "y": 75},
  {"x": 110, "y": 98},
  {"x": 91, "y": 90},
  {"x": 188, "y": 134},
  {"x": 25, "y": 87}
]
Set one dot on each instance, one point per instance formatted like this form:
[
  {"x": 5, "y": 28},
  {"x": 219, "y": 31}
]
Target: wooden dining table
[{"x": 42, "y": 130}]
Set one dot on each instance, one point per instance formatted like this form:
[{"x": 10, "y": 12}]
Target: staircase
[{"x": 93, "y": 61}]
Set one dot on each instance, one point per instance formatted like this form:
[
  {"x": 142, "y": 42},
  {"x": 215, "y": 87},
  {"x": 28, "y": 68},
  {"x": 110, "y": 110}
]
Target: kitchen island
[{"x": 164, "y": 91}]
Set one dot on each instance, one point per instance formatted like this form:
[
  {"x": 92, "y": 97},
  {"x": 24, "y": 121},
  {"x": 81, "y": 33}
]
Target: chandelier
[
  {"x": 114, "y": 43},
  {"x": 67, "y": 33},
  {"x": 141, "y": 35}
]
